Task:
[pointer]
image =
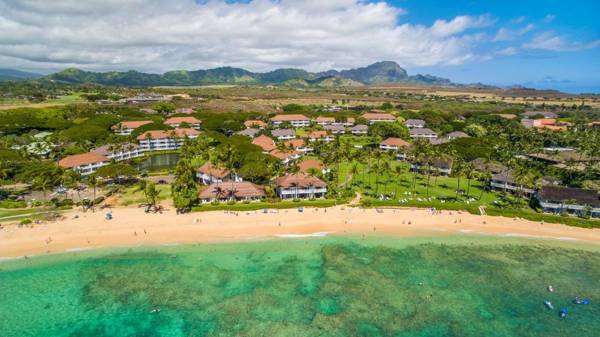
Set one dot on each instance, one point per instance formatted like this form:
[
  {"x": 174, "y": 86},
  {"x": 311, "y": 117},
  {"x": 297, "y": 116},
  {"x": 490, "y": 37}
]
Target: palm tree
[
  {"x": 386, "y": 169},
  {"x": 398, "y": 171},
  {"x": 458, "y": 170},
  {"x": 469, "y": 171},
  {"x": 294, "y": 170},
  {"x": 354, "y": 170},
  {"x": 152, "y": 193},
  {"x": 93, "y": 181}
]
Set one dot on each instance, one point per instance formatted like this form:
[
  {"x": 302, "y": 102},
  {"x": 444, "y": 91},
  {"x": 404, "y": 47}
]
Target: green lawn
[
  {"x": 241, "y": 207},
  {"x": 359, "y": 140},
  {"x": 134, "y": 196}
]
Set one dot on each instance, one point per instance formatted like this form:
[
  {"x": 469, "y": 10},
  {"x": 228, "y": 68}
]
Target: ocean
[{"x": 461, "y": 285}]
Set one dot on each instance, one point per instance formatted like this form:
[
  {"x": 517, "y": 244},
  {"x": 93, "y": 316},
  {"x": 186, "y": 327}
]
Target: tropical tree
[
  {"x": 93, "y": 181},
  {"x": 152, "y": 193},
  {"x": 184, "y": 188}
]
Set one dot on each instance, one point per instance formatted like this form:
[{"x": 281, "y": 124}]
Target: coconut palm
[{"x": 93, "y": 181}]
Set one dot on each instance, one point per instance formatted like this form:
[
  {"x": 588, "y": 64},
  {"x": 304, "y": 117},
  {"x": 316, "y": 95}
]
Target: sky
[{"x": 541, "y": 44}]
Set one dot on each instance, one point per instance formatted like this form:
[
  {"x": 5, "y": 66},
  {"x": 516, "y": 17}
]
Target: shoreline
[{"x": 131, "y": 227}]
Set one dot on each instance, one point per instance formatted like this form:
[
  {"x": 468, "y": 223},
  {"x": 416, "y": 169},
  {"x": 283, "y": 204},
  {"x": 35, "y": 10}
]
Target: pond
[{"x": 158, "y": 162}]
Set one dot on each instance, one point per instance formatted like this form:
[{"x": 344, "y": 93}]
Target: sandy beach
[{"x": 131, "y": 227}]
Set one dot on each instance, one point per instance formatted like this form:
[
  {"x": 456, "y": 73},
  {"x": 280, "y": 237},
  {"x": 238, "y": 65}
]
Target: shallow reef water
[{"x": 338, "y": 286}]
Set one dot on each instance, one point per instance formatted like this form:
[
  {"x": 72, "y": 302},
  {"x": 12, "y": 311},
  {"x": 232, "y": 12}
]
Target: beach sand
[{"x": 131, "y": 227}]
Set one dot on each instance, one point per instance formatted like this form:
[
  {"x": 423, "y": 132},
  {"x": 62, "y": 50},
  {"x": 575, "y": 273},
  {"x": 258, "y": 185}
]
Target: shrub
[{"x": 25, "y": 221}]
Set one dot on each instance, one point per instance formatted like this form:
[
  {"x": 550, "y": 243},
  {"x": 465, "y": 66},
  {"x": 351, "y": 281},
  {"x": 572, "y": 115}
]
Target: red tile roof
[
  {"x": 370, "y": 115},
  {"x": 395, "y": 142},
  {"x": 325, "y": 119},
  {"x": 289, "y": 118},
  {"x": 163, "y": 134},
  {"x": 179, "y": 120},
  {"x": 241, "y": 189},
  {"x": 130, "y": 124},
  {"x": 308, "y": 164},
  {"x": 295, "y": 143},
  {"x": 281, "y": 155},
  {"x": 317, "y": 134},
  {"x": 82, "y": 159},
  {"x": 255, "y": 122},
  {"x": 210, "y": 170},
  {"x": 265, "y": 142}
]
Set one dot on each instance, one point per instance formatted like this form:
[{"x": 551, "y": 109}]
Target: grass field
[
  {"x": 242, "y": 207},
  {"x": 134, "y": 196},
  {"x": 61, "y": 100}
]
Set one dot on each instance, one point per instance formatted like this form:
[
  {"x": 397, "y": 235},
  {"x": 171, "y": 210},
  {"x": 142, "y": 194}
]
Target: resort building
[
  {"x": 160, "y": 140},
  {"x": 422, "y": 133},
  {"x": 250, "y": 132},
  {"x": 125, "y": 128},
  {"x": 396, "y": 145},
  {"x": 359, "y": 129},
  {"x": 120, "y": 152},
  {"x": 298, "y": 145},
  {"x": 325, "y": 121},
  {"x": 84, "y": 163},
  {"x": 208, "y": 174},
  {"x": 414, "y": 123},
  {"x": 440, "y": 166},
  {"x": 582, "y": 202},
  {"x": 372, "y": 117},
  {"x": 184, "y": 111},
  {"x": 255, "y": 123},
  {"x": 350, "y": 121},
  {"x": 238, "y": 191},
  {"x": 285, "y": 156},
  {"x": 176, "y": 122},
  {"x": 544, "y": 114},
  {"x": 320, "y": 135},
  {"x": 456, "y": 135},
  {"x": 264, "y": 142},
  {"x": 300, "y": 186},
  {"x": 505, "y": 181},
  {"x": 335, "y": 129},
  {"x": 284, "y": 134},
  {"x": 297, "y": 121},
  {"x": 307, "y": 165}
]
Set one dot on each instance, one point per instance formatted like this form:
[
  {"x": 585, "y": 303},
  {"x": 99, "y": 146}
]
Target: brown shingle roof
[
  {"x": 81, "y": 159},
  {"x": 301, "y": 180},
  {"x": 265, "y": 142},
  {"x": 130, "y": 124},
  {"x": 210, "y": 170},
  {"x": 325, "y": 119},
  {"x": 241, "y": 189},
  {"x": 288, "y": 118},
  {"x": 179, "y": 120},
  {"x": 564, "y": 194}
]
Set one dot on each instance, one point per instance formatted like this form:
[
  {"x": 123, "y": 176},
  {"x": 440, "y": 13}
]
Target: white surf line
[
  {"x": 297, "y": 236},
  {"x": 563, "y": 238}
]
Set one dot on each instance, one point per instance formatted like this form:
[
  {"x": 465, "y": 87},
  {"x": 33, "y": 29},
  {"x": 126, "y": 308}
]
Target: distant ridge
[
  {"x": 376, "y": 73},
  {"x": 13, "y": 74}
]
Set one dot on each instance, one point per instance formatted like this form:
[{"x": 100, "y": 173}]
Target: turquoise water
[{"x": 453, "y": 286}]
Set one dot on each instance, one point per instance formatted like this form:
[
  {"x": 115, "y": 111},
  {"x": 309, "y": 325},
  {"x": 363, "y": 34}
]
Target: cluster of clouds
[{"x": 157, "y": 35}]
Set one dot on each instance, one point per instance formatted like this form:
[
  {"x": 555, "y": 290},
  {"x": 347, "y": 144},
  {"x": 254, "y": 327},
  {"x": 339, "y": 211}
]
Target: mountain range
[
  {"x": 376, "y": 73},
  {"x": 12, "y": 75}
]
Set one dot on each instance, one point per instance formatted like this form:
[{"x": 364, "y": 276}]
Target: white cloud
[
  {"x": 553, "y": 42},
  {"x": 506, "y": 34},
  {"x": 156, "y": 35}
]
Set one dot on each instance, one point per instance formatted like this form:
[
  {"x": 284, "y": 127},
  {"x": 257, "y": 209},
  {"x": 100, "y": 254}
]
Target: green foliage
[
  {"x": 475, "y": 130},
  {"x": 85, "y": 133},
  {"x": 385, "y": 130},
  {"x": 164, "y": 107},
  {"x": 116, "y": 170},
  {"x": 184, "y": 189}
]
